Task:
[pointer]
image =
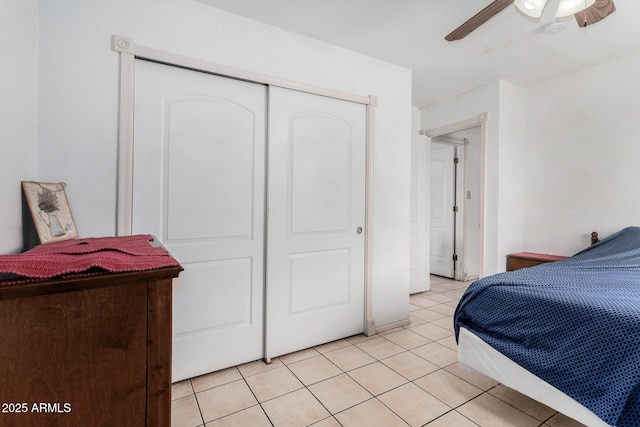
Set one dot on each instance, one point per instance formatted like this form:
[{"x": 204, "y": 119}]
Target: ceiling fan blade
[
  {"x": 478, "y": 19},
  {"x": 596, "y": 12}
]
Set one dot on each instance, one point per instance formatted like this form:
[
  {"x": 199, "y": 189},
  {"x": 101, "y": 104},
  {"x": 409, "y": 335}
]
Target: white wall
[
  {"x": 79, "y": 101},
  {"x": 561, "y": 161},
  {"x": 511, "y": 170},
  {"x": 503, "y": 161},
  {"x": 18, "y": 113},
  {"x": 420, "y": 251},
  {"x": 582, "y": 156}
]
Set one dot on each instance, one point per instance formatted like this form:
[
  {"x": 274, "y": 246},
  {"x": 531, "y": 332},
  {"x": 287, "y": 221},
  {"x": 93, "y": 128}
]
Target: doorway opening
[
  {"x": 446, "y": 206},
  {"x": 456, "y": 200}
]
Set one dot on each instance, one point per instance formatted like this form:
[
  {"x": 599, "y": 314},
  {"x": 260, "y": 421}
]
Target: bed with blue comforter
[{"x": 573, "y": 323}]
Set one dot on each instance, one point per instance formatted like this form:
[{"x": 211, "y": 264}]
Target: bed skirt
[{"x": 477, "y": 356}]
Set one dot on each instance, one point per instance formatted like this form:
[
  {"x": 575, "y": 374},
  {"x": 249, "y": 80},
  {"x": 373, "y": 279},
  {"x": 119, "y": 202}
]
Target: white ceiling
[{"x": 511, "y": 46}]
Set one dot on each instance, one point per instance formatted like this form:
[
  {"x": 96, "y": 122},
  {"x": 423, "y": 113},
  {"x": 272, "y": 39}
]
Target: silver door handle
[{"x": 359, "y": 230}]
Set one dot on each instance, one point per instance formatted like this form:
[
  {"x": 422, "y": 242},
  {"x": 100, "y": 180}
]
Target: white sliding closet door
[
  {"x": 199, "y": 170},
  {"x": 316, "y": 217}
]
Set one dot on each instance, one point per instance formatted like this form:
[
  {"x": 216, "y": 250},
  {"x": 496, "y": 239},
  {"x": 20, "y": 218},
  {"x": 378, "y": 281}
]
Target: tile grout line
[
  {"x": 440, "y": 368},
  {"x": 307, "y": 387},
  {"x": 355, "y": 344},
  {"x": 376, "y": 397},
  {"x": 255, "y": 397},
  {"x": 378, "y": 360},
  {"x": 195, "y": 396},
  {"x": 356, "y": 381}
]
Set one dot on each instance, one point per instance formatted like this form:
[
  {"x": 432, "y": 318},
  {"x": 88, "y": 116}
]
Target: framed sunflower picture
[{"x": 50, "y": 210}]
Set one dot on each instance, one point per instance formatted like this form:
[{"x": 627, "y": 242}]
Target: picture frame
[{"x": 50, "y": 210}]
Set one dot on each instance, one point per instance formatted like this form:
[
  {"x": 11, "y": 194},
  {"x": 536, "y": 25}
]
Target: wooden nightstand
[{"x": 529, "y": 259}]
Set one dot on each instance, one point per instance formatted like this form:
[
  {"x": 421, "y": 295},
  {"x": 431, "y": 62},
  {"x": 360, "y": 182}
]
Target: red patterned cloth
[{"x": 114, "y": 254}]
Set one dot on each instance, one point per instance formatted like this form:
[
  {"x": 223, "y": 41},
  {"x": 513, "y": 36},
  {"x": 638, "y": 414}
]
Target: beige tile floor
[{"x": 405, "y": 376}]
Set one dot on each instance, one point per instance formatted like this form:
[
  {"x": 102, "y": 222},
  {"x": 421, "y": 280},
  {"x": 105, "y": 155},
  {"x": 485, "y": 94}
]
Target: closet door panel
[
  {"x": 316, "y": 205},
  {"x": 219, "y": 175},
  {"x": 199, "y": 171},
  {"x": 320, "y": 202}
]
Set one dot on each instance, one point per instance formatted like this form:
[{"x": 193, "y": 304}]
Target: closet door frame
[{"x": 129, "y": 52}]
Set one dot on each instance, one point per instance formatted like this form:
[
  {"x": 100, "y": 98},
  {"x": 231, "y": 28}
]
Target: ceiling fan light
[
  {"x": 571, "y": 7},
  {"x": 532, "y": 8},
  {"x": 531, "y": 4}
]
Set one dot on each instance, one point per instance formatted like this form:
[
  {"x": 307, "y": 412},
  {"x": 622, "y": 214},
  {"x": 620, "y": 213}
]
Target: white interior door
[
  {"x": 199, "y": 171},
  {"x": 442, "y": 217},
  {"x": 419, "y": 271},
  {"x": 316, "y": 220}
]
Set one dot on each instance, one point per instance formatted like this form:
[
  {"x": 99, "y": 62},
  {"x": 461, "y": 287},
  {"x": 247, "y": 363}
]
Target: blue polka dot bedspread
[{"x": 574, "y": 323}]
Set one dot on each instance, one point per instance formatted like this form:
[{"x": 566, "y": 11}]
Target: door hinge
[
  {"x": 455, "y": 257},
  {"x": 456, "y": 160},
  {"x": 455, "y": 209}
]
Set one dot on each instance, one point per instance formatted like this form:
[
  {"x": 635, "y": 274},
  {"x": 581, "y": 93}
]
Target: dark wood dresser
[
  {"x": 520, "y": 260},
  {"x": 87, "y": 350}
]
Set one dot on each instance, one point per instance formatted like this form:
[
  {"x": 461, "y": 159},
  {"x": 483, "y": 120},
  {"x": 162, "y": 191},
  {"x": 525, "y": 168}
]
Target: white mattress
[{"x": 477, "y": 356}]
